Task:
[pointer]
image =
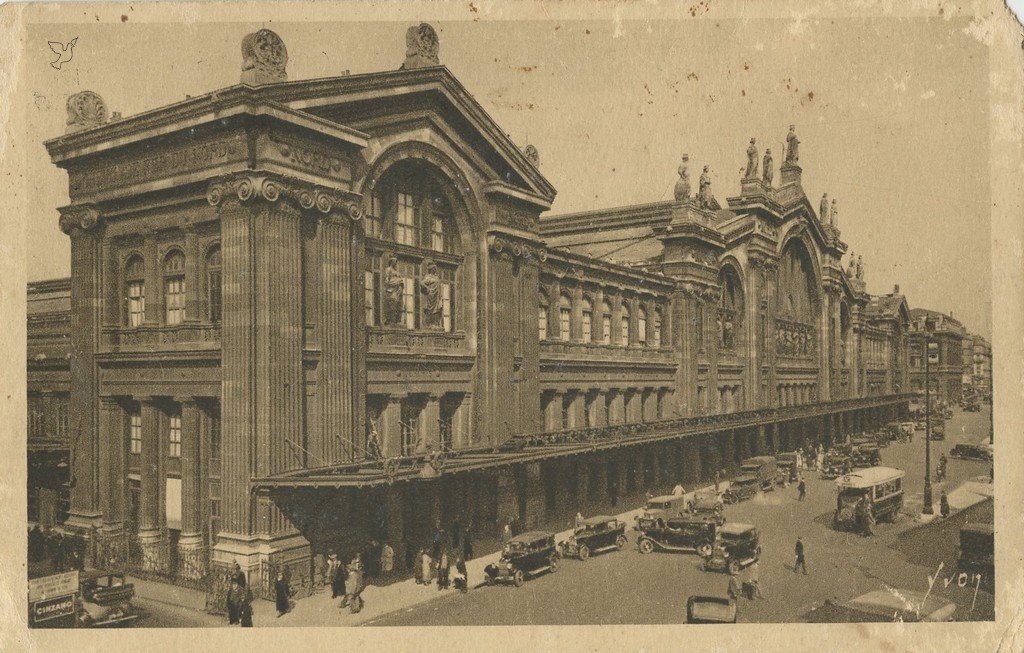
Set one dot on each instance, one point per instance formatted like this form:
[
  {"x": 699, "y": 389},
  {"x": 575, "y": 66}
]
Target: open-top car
[
  {"x": 105, "y": 599},
  {"x": 964, "y": 451},
  {"x": 594, "y": 535},
  {"x": 682, "y": 534},
  {"x": 525, "y": 555},
  {"x": 710, "y": 610},
  {"x": 707, "y": 506},
  {"x": 741, "y": 488},
  {"x": 737, "y": 546},
  {"x": 765, "y": 468}
]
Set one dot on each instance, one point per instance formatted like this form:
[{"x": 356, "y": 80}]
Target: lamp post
[{"x": 928, "y": 326}]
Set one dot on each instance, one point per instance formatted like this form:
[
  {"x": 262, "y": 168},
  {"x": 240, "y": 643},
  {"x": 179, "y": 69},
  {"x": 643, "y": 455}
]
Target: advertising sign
[
  {"x": 49, "y": 587},
  {"x": 60, "y": 606}
]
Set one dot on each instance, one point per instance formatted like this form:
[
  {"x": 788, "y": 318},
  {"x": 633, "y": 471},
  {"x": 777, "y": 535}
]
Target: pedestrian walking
[
  {"x": 801, "y": 562},
  {"x": 944, "y": 505},
  {"x": 734, "y": 586},
  {"x": 579, "y": 519},
  {"x": 245, "y": 611},
  {"x": 282, "y": 595},
  {"x": 239, "y": 575},
  {"x": 506, "y": 533},
  {"x": 678, "y": 490},
  {"x": 755, "y": 580},
  {"x": 426, "y": 565},
  {"x": 444, "y": 568},
  {"x": 802, "y": 488},
  {"x": 337, "y": 573},
  {"x": 320, "y": 562},
  {"x": 387, "y": 560},
  {"x": 461, "y": 575},
  {"x": 435, "y": 551},
  {"x": 355, "y": 584},
  {"x": 718, "y": 479},
  {"x": 234, "y": 602},
  {"x": 467, "y": 543}
]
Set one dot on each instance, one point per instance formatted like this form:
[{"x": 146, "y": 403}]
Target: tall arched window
[
  {"x": 135, "y": 291},
  {"x": 588, "y": 319},
  {"x": 624, "y": 325},
  {"x": 606, "y": 323},
  {"x": 656, "y": 336},
  {"x": 542, "y": 317},
  {"x": 565, "y": 318},
  {"x": 213, "y": 285},
  {"x": 174, "y": 287},
  {"x": 730, "y": 310},
  {"x": 641, "y": 326}
]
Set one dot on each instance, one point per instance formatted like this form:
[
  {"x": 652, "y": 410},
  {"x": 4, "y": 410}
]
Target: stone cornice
[
  {"x": 506, "y": 245},
  {"x": 272, "y": 187}
]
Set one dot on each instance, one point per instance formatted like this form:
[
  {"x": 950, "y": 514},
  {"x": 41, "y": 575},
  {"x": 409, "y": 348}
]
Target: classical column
[
  {"x": 461, "y": 425},
  {"x": 154, "y": 278},
  {"x": 81, "y": 223},
  {"x": 650, "y": 404},
  {"x": 111, "y": 290},
  {"x": 193, "y": 272},
  {"x": 711, "y": 336},
  {"x": 616, "y": 411},
  {"x": 113, "y": 547},
  {"x": 151, "y": 507},
  {"x": 389, "y": 427},
  {"x": 192, "y": 555},
  {"x": 576, "y": 408},
  {"x": 430, "y": 423}
]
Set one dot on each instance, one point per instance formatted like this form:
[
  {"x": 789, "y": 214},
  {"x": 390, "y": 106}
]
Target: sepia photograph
[{"x": 470, "y": 315}]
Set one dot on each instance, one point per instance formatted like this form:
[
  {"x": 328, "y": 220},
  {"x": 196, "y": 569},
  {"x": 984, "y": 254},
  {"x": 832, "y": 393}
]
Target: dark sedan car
[
  {"x": 680, "y": 534},
  {"x": 595, "y": 535},
  {"x": 527, "y": 554},
  {"x": 971, "y": 452}
]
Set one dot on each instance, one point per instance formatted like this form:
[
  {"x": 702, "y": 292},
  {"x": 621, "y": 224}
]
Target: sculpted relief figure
[
  {"x": 682, "y": 189},
  {"x": 85, "y": 109},
  {"x": 264, "y": 58},
  {"x": 851, "y": 271},
  {"x": 421, "y": 47},
  {"x": 430, "y": 286},
  {"x": 766, "y": 167},
  {"x": 860, "y": 268},
  {"x": 751, "y": 160},
  {"x": 727, "y": 334},
  {"x": 823, "y": 213},
  {"x": 792, "y": 146},
  {"x": 394, "y": 284},
  {"x": 704, "y": 191}
]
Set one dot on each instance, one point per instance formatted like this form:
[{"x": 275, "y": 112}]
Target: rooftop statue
[
  {"x": 751, "y": 160},
  {"x": 682, "y": 189},
  {"x": 532, "y": 155},
  {"x": 766, "y": 167},
  {"x": 823, "y": 213},
  {"x": 264, "y": 58},
  {"x": 792, "y": 146},
  {"x": 851, "y": 271},
  {"x": 85, "y": 110},
  {"x": 421, "y": 47},
  {"x": 704, "y": 192},
  {"x": 860, "y": 268}
]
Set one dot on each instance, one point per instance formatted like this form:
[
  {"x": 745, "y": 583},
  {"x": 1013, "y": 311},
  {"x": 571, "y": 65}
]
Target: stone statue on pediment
[
  {"x": 704, "y": 190},
  {"x": 751, "y": 160},
  {"x": 421, "y": 47},
  {"x": 394, "y": 285},
  {"x": 851, "y": 270},
  {"x": 85, "y": 110},
  {"x": 532, "y": 155},
  {"x": 430, "y": 286},
  {"x": 860, "y": 268},
  {"x": 792, "y": 146},
  {"x": 823, "y": 214},
  {"x": 264, "y": 58},
  {"x": 682, "y": 189},
  {"x": 767, "y": 168}
]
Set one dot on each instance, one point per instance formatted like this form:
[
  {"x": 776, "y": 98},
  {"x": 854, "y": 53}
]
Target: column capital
[
  {"x": 79, "y": 217},
  {"x": 269, "y": 187}
]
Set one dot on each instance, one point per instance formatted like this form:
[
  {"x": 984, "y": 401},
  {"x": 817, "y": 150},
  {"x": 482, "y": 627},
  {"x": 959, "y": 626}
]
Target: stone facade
[
  {"x": 946, "y": 366},
  {"x": 306, "y": 314}
]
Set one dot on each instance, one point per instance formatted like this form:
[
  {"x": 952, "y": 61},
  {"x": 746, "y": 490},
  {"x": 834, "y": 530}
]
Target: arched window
[
  {"x": 588, "y": 319},
  {"x": 565, "y": 318},
  {"x": 730, "y": 310},
  {"x": 135, "y": 291},
  {"x": 542, "y": 317},
  {"x": 624, "y": 325},
  {"x": 213, "y": 285},
  {"x": 174, "y": 287},
  {"x": 606, "y": 323},
  {"x": 656, "y": 336},
  {"x": 641, "y": 326}
]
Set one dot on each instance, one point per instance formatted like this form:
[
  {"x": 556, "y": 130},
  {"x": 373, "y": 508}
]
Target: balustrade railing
[
  {"x": 600, "y": 350},
  {"x": 163, "y": 334},
  {"x": 416, "y": 340}
]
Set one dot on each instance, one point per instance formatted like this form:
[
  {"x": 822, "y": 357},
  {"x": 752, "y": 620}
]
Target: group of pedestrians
[
  {"x": 239, "y": 599},
  {"x": 62, "y": 552},
  {"x": 434, "y": 564},
  {"x": 752, "y": 583}
]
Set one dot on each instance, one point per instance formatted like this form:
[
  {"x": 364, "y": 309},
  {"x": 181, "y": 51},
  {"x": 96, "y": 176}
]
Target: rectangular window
[
  {"x": 135, "y": 432},
  {"x": 405, "y": 225},
  {"x": 587, "y": 326},
  {"x": 437, "y": 234},
  {"x": 174, "y": 436},
  {"x": 213, "y": 292},
  {"x": 564, "y": 323},
  {"x": 136, "y": 303},
  {"x": 606, "y": 329},
  {"x": 542, "y": 322},
  {"x": 373, "y": 220},
  {"x": 624, "y": 331},
  {"x": 409, "y": 303},
  {"x": 174, "y": 294},
  {"x": 370, "y": 296},
  {"x": 656, "y": 339},
  {"x": 446, "y": 307},
  {"x": 641, "y": 330},
  {"x": 410, "y": 427}
]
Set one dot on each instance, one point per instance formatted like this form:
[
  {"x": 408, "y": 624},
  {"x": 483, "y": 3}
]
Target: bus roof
[{"x": 868, "y": 477}]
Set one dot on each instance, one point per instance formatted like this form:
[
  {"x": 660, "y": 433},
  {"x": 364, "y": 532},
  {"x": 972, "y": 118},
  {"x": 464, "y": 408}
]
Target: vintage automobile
[
  {"x": 707, "y": 506},
  {"x": 741, "y": 488},
  {"x": 764, "y": 468},
  {"x": 971, "y": 406},
  {"x": 836, "y": 464},
  {"x": 663, "y": 507},
  {"x": 907, "y": 430},
  {"x": 594, "y": 535},
  {"x": 682, "y": 534},
  {"x": 525, "y": 555},
  {"x": 710, "y": 610},
  {"x": 972, "y": 452},
  {"x": 884, "y": 605},
  {"x": 787, "y": 467},
  {"x": 737, "y": 546},
  {"x": 938, "y": 430},
  {"x": 881, "y": 488},
  {"x": 866, "y": 455},
  {"x": 105, "y": 599},
  {"x": 976, "y": 551}
]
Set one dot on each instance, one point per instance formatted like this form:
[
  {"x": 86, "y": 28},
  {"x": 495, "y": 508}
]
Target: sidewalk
[
  {"x": 967, "y": 494},
  {"x": 321, "y": 610}
]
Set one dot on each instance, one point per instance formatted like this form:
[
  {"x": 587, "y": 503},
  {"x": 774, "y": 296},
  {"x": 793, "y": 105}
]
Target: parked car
[
  {"x": 737, "y": 546},
  {"x": 663, "y": 507},
  {"x": 105, "y": 599},
  {"x": 787, "y": 467},
  {"x": 884, "y": 605},
  {"x": 706, "y": 506},
  {"x": 710, "y": 610},
  {"x": 976, "y": 553},
  {"x": 971, "y": 452},
  {"x": 880, "y": 487},
  {"x": 971, "y": 406},
  {"x": 525, "y": 555},
  {"x": 938, "y": 430},
  {"x": 682, "y": 534},
  {"x": 594, "y": 535},
  {"x": 741, "y": 488},
  {"x": 764, "y": 468},
  {"x": 866, "y": 455},
  {"x": 836, "y": 464}
]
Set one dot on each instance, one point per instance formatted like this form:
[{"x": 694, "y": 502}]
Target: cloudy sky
[{"x": 891, "y": 113}]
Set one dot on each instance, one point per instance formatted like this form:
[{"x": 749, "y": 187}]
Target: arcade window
[
  {"x": 174, "y": 436},
  {"x": 624, "y": 326},
  {"x": 542, "y": 321},
  {"x": 588, "y": 320},
  {"x": 564, "y": 318},
  {"x": 135, "y": 432},
  {"x": 405, "y": 224},
  {"x": 606, "y": 324},
  {"x": 174, "y": 287},
  {"x": 410, "y": 417},
  {"x": 135, "y": 291},
  {"x": 656, "y": 335},
  {"x": 641, "y": 327}
]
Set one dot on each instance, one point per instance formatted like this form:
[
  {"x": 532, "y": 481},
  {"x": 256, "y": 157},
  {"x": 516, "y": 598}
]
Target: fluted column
[
  {"x": 151, "y": 513},
  {"x": 390, "y": 428},
  {"x": 191, "y": 544},
  {"x": 430, "y": 423},
  {"x": 193, "y": 271},
  {"x": 112, "y": 550}
]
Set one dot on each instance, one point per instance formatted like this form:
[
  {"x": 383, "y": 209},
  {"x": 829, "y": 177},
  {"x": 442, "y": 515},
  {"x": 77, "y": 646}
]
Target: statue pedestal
[
  {"x": 752, "y": 186},
  {"x": 790, "y": 174}
]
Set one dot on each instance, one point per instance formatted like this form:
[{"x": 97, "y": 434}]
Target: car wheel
[
  {"x": 518, "y": 578},
  {"x": 646, "y": 546},
  {"x": 620, "y": 542},
  {"x": 553, "y": 563},
  {"x": 704, "y": 550},
  {"x": 583, "y": 552}
]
